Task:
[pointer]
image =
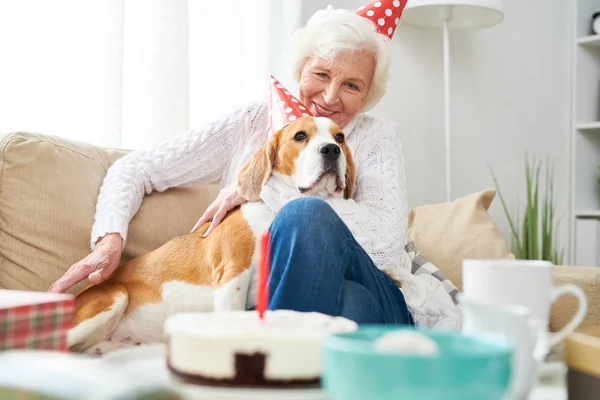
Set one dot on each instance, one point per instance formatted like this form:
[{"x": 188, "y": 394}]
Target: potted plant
[{"x": 534, "y": 236}]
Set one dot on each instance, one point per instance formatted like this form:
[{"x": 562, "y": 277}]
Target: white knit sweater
[{"x": 377, "y": 216}]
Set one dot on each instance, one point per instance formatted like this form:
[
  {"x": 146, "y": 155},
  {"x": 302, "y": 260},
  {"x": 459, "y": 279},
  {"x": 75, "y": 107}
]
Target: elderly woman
[{"x": 326, "y": 255}]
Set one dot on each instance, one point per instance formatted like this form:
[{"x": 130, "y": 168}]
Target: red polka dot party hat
[
  {"x": 283, "y": 107},
  {"x": 384, "y": 13}
]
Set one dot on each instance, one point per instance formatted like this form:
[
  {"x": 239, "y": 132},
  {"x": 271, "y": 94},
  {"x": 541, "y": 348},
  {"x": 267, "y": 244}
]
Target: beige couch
[{"x": 48, "y": 191}]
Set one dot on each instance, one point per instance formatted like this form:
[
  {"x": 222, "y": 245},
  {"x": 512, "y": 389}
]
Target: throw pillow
[
  {"x": 448, "y": 233},
  {"x": 420, "y": 265}
]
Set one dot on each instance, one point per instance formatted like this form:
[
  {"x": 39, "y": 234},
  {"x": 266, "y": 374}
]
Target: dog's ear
[
  {"x": 257, "y": 170},
  {"x": 350, "y": 174}
]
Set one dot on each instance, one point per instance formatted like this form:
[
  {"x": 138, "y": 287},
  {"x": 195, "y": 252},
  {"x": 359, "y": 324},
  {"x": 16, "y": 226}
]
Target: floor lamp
[{"x": 451, "y": 14}]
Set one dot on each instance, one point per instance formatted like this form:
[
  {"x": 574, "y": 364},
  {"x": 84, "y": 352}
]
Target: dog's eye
[
  {"x": 339, "y": 138},
  {"x": 300, "y": 136}
]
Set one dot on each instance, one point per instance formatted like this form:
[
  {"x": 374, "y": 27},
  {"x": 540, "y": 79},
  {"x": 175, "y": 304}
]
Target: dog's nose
[{"x": 330, "y": 151}]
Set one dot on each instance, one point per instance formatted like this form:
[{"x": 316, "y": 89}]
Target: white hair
[{"x": 330, "y": 31}]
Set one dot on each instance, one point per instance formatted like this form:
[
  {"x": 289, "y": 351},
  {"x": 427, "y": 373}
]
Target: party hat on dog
[
  {"x": 384, "y": 13},
  {"x": 283, "y": 107}
]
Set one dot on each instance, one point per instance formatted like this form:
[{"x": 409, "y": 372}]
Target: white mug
[
  {"x": 522, "y": 282},
  {"x": 527, "y": 336}
]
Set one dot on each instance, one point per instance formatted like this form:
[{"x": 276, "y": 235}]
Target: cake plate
[{"x": 148, "y": 362}]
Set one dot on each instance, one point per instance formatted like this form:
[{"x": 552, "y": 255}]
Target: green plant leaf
[{"x": 537, "y": 238}]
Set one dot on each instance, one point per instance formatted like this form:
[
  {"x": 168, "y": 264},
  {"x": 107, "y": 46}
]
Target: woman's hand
[
  {"x": 227, "y": 200},
  {"x": 97, "y": 266}
]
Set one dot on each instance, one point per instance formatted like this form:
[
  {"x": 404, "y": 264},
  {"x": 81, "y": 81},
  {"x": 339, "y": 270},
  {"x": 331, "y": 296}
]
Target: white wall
[{"x": 509, "y": 94}]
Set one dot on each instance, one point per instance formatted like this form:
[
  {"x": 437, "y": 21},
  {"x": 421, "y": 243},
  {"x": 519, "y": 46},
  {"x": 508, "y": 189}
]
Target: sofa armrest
[{"x": 564, "y": 308}]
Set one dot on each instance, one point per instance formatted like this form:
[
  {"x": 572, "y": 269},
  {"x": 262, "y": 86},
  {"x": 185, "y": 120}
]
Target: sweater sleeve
[
  {"x": 195, "y": 156},
  {"x": 377, "y": 216}
]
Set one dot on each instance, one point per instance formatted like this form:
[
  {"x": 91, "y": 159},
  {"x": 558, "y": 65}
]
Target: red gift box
[{"x": 35, "y": 320}]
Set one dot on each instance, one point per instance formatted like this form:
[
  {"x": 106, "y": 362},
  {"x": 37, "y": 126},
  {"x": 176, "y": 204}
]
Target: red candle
[{"x": 262, "y": 292}]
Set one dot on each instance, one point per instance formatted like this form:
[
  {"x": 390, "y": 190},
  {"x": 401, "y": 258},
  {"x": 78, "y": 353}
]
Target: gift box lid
[{"x": 16, "y": 298}]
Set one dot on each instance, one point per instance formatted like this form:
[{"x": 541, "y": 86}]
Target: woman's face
[{"x": 337, "y": 88}]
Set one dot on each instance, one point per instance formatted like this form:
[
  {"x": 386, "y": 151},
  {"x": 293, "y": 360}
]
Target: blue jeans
[{"x": 317, "y": 265}]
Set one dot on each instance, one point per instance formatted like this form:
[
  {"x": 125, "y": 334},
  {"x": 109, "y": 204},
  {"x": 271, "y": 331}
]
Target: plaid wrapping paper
[
  {"x": 421, "y": 266},
  {"x": 37, "y": 321}
]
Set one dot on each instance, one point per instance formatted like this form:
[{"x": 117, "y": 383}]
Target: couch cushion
[
  {"x": 565, "y": 307},
  {"x": 48, "y": 191},
  {"x": 447, "y": 233}
]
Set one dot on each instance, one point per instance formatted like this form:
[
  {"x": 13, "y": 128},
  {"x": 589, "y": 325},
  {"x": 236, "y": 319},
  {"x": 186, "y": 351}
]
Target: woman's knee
[
  {"x": 306, "y": 228},
  {"x": 304, "y": 212}
]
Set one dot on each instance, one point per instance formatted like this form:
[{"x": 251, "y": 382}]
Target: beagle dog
[{"x": 217, "y": 273}]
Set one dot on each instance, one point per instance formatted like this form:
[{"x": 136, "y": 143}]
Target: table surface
[
  {"x": 150, "y": 363},
  {"x": 555, "y": 390}
]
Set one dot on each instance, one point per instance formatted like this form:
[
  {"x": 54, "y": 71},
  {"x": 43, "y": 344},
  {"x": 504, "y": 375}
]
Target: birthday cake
[{"x": 240, "y": 349}]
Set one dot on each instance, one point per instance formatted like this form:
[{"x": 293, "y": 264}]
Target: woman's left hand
[{"x": 227, "y": 200}]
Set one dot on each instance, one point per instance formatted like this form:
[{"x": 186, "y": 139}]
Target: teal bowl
[{"x": 466, "y": 367}]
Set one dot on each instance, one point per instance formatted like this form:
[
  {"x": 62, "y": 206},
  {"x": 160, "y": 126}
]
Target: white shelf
[
  {"x": 584, "y": 146},
  {"x": 589, "y": 41},
  {"x": 591, "y": 127},
  {"x": 588, "y": 214}
]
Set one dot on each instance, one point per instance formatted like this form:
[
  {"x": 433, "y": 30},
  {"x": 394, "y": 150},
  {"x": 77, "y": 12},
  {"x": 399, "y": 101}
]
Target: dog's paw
[
  {"x": 94, "y": 351},
  {"x": 106, "y": 346}
]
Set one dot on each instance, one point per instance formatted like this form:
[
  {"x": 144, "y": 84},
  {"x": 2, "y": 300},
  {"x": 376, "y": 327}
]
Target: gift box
[
  {"x": 582, "y": 356},
  {"x": 35, "y": 320}
]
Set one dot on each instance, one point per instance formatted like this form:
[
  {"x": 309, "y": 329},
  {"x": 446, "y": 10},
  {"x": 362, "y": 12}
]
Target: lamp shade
[{"x": 463, "y": 14}]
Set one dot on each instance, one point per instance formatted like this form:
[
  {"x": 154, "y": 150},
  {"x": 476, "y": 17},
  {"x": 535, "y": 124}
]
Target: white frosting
[
  {"x": 206, "y": 343},
  {"x": 405, "y": 342}
]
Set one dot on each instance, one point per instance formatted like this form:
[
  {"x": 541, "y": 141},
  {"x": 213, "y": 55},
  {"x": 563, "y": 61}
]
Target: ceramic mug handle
[{"x": 558, "y": 291}]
